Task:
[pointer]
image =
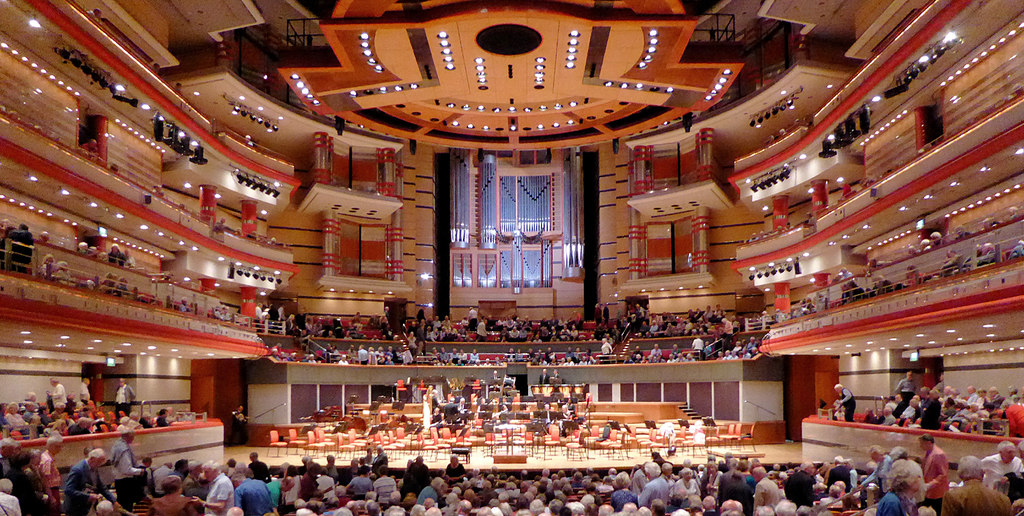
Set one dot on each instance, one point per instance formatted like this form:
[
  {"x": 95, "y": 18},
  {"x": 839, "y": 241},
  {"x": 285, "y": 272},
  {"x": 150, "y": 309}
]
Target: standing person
[
  {"x": 22, "y": 244},
  {"x": 221, "y": 496},
  {"x": 799, "y": 486},
  {"x": 83, "y": 391},
  {"x": 974, "y": 498},
  {"x": 127, "y": 473},
  {"x": 49, "y": 473},
  {"x": 83, "y": 486},
  {"x": 239, "y": 427},
  {"x": 57, "y": 394},
  {"x": 936, "y": 473},
  {"x": 473, "y": 320},
  {"x": 260, "y": 470},
  {"x": 905, "y": 390},
  {"x": 123, "y": 398},
  {"x": 847, "y": 401}
]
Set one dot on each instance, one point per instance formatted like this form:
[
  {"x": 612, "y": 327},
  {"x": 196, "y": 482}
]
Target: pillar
[
  {"x": 640, "y": 166},
  {"x": 699, "y": 232},
  {"x": 98, "y": 126},
  {"x": 782, "y": 298},
  {"x": 208, "y": 284},
  {"x": 331, "y": 244},
  {"x": 921, "y": 121},
  {"x": 249, "y": 209},
  {"x": 572, "y": 215},
  {"x": 389, "y": 182},
  {"x": 780, "y": 211},
  {"x": 248, "y": 305},
  {"x": 819, "y": 196},
  {"x": 820, "y": 279},
  {"x": 208, "y": 203},
  {"x": 323, "y": 158},
  {"x": 703, "y": 153}
]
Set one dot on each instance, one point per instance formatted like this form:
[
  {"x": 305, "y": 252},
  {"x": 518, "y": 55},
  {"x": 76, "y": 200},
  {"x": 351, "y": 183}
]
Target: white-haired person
[
  {"x": 1004, "y": 461},
  {"x": 905, "y": 483}
]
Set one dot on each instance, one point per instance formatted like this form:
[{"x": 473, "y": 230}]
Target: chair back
[
  {"x": 310, "y": 437},
  {"x": 274, "y": 436},
  {"x": 293, "y": 434},
  {"x": 446, "y": 433}
]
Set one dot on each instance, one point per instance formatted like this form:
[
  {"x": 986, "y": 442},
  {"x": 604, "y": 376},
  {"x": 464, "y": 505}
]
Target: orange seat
[{"x": 275, "y": 442}]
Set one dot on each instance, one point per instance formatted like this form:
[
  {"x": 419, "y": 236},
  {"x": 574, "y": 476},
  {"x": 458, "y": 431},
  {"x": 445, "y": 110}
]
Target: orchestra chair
[
  {"x": 312, "y": 444},
  {"x": 400, "y": 389},
  {"x": 442, "y": 447},
  {"x": 276, "y": 443},
  {"x": 746, "y": 432},
  {"x": 345, "y": 445},
  {"x": 575, "y": 447},
  {"x": 490, "y": 442},
  {"x": 552, "y": 439},
  {"x": 358, "y": 442},
  {"x": 447, "y": 437},
  {"x": 293, "y": 440},
  {"x": 731, "y": 435},
  {"x": 426, "y": 448},
  {"x": 699, "y": 441}
]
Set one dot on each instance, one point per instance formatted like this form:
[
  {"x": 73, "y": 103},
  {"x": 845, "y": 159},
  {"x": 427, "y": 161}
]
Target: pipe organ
[
  {"x": 487, "y": 200},
  {"x": 572, "y": 216},
  {"x": 461, "y": 203}
]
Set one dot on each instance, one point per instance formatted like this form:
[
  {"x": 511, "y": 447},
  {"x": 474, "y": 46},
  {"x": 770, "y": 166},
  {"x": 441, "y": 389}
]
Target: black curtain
[
  {"x": 442, "y": 234},
  {"x": 591, "y": 234}
]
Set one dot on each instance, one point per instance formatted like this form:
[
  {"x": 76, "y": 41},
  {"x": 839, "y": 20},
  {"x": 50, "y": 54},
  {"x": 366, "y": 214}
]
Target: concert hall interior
[{"x": 543, "y": 241}]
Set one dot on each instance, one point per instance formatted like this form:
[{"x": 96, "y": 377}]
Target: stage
[{"x": 767, "y": 454}]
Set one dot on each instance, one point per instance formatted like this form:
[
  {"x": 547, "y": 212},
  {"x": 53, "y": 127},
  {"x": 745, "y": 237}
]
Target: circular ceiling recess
[{"x": 508, "y": 39}]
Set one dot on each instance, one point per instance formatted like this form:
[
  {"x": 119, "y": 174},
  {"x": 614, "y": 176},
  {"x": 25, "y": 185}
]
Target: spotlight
[
  {"x": 158, "y": 127},
  {"x": 864, "y": 117},
  {"x": 753, "y": 122},
  {"x": 902, "y": 87},
  {"x": 826, "y": 150},
  {"x": 197, "y": 156}
]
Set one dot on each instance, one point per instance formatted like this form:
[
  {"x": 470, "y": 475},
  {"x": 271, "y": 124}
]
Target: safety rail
[
  {"x": 304, "y": 32},
  {"x": 35, "y": 278}
]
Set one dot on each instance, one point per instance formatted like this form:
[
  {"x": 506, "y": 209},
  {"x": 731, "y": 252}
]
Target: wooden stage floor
[{"x": 767, "y": 454}]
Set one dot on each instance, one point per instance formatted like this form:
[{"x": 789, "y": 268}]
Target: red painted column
[
  {"x": 248, "y": 306},
  {"x": 249, "y": 217},
  {"x": 331, "y": 229},
  {"x": 819, "y": 196},
  {"x": 782, "y": 298},
  {"x": 98, "y": 126},
  {"x": 847, "y": 191},
  {"x": 921, "y": 126},
  {"x": 780, "y": 211},
  {"x": 820, "y": 279},
  {"x": 323, "y": 151},
  {"x": 208, "y": 284},
  {"x": 704, "y": 153},
  {"x": 208, "y": 203}
]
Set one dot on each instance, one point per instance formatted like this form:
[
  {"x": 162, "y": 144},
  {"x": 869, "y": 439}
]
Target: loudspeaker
[
  {"x": 687, "y": 122},
  {"x": 339, "y": 125},
  {"x": 615, "y": 146},
  {"x": 412, "y": 147},
  {"x": 147, "y": 199}
]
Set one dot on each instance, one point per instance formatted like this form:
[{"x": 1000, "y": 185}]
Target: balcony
[
  {"x": 918, "y": 296},
  {"x": 378, "y": 286},
  {"x": 674, "y": 200},
  {"x": 349, "y": 202}
]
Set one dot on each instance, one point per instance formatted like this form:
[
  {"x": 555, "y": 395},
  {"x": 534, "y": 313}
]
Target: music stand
[
  {"x": 709, "y": 421},
  {"x": 374, "y": 405},
  {"x": 615, "y": 425},
  {"x": 650, "y": 424},
  {"x": 398, "y": 405}
]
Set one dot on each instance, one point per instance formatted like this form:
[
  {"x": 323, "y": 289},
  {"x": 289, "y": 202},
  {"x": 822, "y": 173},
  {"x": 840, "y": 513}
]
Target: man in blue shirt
[
  {"x": 83, "y": 486},
  {"x": 251, "y": 495}
]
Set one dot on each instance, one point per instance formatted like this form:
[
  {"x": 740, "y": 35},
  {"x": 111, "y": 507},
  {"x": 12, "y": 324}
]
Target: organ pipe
[
  {"x": 488, "y": 198},
  {"x": 461, "y": 203},
  {"x": 572, "y": 216}
]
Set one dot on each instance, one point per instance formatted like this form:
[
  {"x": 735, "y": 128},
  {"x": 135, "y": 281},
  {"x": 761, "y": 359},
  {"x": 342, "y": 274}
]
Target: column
[
  {"x": 699, "y": 233},
  {"x": 389, "y": 182},
  {"x": 98, "y": 126},
  {"x": 639, "y": 183},
  {"x": 208, "y": 203},
  {"x": 782, "y": 298},
  {"x": 820, "y": 279},
  {"x": 208, "y": 284},
  {"x": 703, "y": 152},
  {"x": 572, "y": 215},
  {"x": 248, "y": 306},
  {"x": 330, "y": 253},
  {"x": 323, "y": 158},
  {"x": 249, "y": 217},
  {"x": 921, "y": 122},
  {"x": 780, "y": 211},
  {"x": 819, "y": 196}
]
